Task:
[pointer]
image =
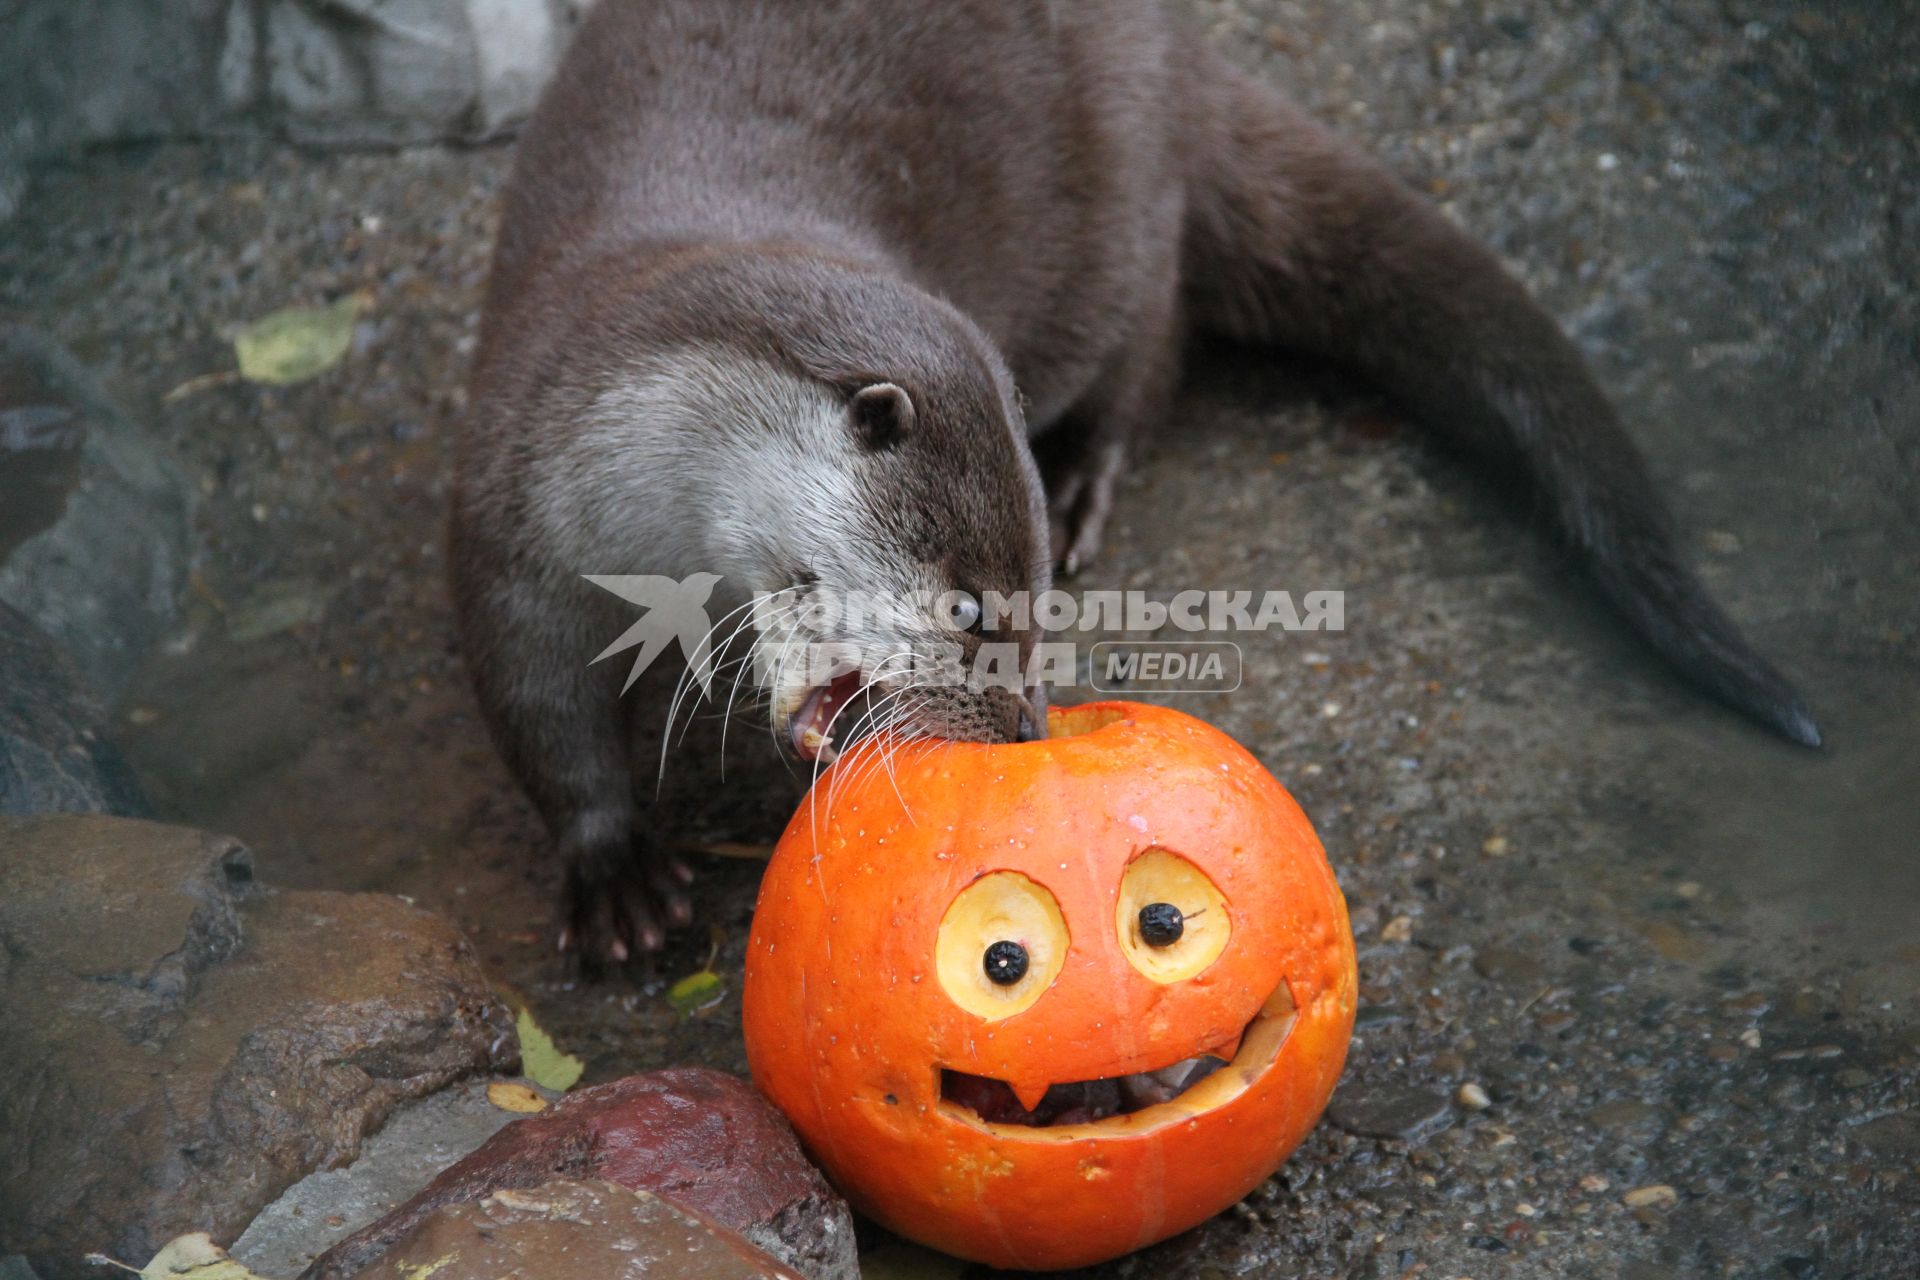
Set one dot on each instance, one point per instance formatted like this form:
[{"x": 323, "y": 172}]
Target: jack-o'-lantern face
[{"x": 1040, "y": 1004}]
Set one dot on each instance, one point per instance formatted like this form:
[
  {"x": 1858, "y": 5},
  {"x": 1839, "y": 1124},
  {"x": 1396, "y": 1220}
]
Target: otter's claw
[{"x": 618, "y": 903}]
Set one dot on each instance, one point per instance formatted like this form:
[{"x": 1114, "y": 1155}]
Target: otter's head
[{"x": 874, "y": 492}]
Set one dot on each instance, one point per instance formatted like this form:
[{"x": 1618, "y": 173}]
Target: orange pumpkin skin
[{"x": 849, "y": 1024}]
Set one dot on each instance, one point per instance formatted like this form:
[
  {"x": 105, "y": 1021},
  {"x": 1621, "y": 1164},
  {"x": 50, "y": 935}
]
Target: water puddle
[{"x": 1824, "y": 847}]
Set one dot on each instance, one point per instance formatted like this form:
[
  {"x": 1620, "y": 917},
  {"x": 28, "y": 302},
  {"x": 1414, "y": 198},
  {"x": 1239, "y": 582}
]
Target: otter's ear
[{"x": 882, "y": 415}]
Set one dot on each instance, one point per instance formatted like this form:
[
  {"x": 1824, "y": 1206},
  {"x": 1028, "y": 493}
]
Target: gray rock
[
  {"x": 330, "y": 1204},
  {"x": 311, "y": 73},
  {"x": 574, "y": 1231},
  {"x": 55, "y": 756},
  {"x": 1389, "y": 1111},
  {"x": 343, "y": 72},
  {"x": 97, "y": 562},
  {"x": 79, "y": 71},
  {"x": 522, "y": 43},
  {"x": 185, "y": 1044}
]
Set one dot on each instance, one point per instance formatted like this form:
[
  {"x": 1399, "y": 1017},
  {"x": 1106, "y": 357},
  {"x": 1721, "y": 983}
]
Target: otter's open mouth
[
  {"x": 828, "y": 717},
  {"x": 1140, "y": 1100}
]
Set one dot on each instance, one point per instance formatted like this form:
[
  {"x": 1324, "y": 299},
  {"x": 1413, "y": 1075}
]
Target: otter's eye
[
  {"x": 1161, "y": 924},
  {"x": 960, "y": 610},
  {"x": 1001, "y": 944},
  {"x": 1005, "y": 963}
]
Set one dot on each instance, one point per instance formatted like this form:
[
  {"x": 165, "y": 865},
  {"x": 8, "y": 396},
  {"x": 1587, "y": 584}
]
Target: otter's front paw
[{"x": 619, "y": 901}]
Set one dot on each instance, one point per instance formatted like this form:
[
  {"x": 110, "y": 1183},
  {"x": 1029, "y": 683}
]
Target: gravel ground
[{"x": 1637, "y": 982}]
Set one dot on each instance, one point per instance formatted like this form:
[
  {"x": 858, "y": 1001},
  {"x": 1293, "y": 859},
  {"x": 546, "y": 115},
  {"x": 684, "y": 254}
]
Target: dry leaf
[
  {"x": 297, "y": 343},
  {"x": 513, "y": 1096},
  {"x": 697, "y": 991},
  {"x": 541, "y": 1059},
  {"x": 195, "y": 1256}
]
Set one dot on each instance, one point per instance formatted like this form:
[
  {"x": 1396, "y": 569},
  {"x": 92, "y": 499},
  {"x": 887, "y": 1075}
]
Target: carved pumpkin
[{"x": 1041, "y": 1004}]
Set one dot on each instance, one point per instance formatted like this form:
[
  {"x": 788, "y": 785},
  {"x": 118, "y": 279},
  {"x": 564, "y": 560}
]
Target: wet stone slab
[{"x": 417, "y": 1143}]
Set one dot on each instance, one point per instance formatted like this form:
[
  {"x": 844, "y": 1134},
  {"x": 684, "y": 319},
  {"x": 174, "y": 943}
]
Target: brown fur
[{"x": 959, "y": 198}]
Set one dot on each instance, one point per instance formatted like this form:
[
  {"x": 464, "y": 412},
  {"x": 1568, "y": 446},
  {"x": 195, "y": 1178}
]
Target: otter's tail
[{"x": 1293, "y": 237}]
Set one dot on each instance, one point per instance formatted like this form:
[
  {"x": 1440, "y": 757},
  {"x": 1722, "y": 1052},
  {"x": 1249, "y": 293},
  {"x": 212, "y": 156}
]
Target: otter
[{"x": 789, "y": 293}]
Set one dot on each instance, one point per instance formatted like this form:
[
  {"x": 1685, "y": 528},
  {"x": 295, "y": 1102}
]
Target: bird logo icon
[{"x": 675, "y": 610}]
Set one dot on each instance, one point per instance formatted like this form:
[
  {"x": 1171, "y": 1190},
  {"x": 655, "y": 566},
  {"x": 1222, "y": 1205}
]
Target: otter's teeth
[
  {"x": 815, "y": 745},
  {"x": 809, "y": 725},
  {"x": 804, "y": 727}
]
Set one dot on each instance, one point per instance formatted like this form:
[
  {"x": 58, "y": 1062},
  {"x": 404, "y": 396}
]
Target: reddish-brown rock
[
  {"x": 566, "y": 1230},
  {"x": 701, "y": 1138}
]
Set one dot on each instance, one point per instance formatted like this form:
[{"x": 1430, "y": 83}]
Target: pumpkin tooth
[
  {"x": 1227, "y": 1050},
  {"x": 1029, "y": 1092}
]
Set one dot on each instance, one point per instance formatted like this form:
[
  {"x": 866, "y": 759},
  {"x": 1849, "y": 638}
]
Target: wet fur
[{"x": 730, "y": 215}]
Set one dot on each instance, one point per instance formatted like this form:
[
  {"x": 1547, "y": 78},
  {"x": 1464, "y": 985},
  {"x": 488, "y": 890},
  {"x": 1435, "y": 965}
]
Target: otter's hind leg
[{"x": 1084, "y": 456}]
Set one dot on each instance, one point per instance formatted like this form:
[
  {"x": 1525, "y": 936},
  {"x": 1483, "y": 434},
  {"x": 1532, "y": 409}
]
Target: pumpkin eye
[
  {"x": 1005, "y": 963},
  {"x": 1161, "y": 924},
  {"x": 1001, "y": 944},
  {"x": 1172, "y": 921}
]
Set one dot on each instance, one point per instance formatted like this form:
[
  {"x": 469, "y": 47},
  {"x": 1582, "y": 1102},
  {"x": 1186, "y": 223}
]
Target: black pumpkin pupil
[
  {"x": 1005, "y": 963},
  {"x": 1161, "y": 924}
]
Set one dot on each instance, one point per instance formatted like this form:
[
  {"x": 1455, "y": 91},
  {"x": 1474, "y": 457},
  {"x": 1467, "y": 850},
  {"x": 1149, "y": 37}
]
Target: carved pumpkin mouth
[
  {"x": 1129, "y": 1103},
  {"x": 1079, "y": 1102}
]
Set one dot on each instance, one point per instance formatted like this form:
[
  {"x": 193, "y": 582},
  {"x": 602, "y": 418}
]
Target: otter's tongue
[{"x": 810, "y": 723}]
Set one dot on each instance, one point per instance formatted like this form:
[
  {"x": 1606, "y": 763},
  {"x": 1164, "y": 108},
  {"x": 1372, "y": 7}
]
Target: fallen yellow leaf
[
  {"x": 541, "y": 1059},
  {"x": 509, "y": 1095},
  {"x": 697, "y": 991},
  {"x": 297, "y": 343},
  {"x": 188, "y": 1257}
]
